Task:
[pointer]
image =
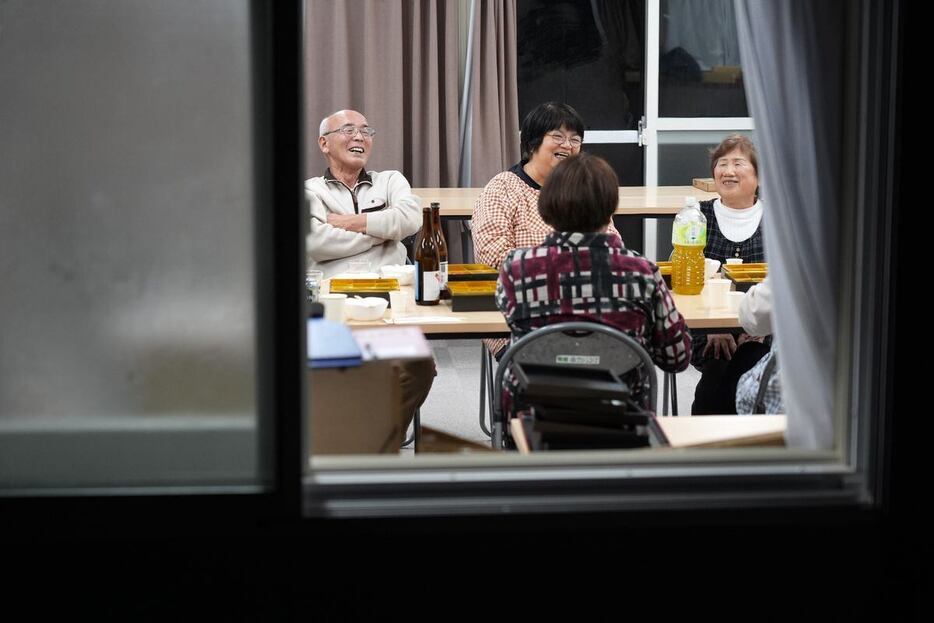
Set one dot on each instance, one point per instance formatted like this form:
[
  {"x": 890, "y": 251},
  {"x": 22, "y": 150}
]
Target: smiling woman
[
  {"x": 506, "y": 214},
  {"x": 733, "y": 232}
]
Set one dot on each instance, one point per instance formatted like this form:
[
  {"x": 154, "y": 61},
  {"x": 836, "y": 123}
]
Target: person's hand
[
  {"x": 720, "y": 344},
  {"x": 350, "y": 222},
  {"x": 745, "y": 337}
]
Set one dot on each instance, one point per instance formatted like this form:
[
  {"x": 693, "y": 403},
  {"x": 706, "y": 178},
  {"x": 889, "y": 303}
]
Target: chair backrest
[
  {"x": 585, "y": 344},
  {"x": 409, "y": 243}
]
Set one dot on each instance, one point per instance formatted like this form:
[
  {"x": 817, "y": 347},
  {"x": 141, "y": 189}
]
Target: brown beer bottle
[
  {"x": 427, "y": 263},
  {"x": 442, "y": 249}
]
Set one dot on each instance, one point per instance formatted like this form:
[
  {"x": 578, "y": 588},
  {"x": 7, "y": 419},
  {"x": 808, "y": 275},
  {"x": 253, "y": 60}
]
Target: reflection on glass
[
  {"x": 699, "y": 73},
  {"x": 682, "y": 156},
  {"x": 626, "y": 160},
  {"x": 569, "y": 50},
  {"x": 129, "y": 350}
]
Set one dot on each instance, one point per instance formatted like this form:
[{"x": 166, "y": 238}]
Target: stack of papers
[
  {"x": 331, "y": 345},
  {"x": 390, "y": 343}
]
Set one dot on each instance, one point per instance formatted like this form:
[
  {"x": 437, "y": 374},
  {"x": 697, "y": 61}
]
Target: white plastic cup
[
  {"x": 715, "y": 291},
  {"x": 710, "y": 267},
  {"x": 734, "y": 299},
  {"x": 399, "y": 303},
  {"x": 333, "y": 306},
  {"x": 734, "y": 260}
]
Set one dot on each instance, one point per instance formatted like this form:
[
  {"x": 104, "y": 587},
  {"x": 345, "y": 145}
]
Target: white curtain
[{"x": 792, "y": 58}]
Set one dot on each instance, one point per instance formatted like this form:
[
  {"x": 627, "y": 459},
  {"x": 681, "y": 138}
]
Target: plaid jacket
[
  {"x": 592, "y": 278},
  {"x": 506, "y": 217},
  {"x": 750, "y": 386},
  {"x": 719, "y": 247}
]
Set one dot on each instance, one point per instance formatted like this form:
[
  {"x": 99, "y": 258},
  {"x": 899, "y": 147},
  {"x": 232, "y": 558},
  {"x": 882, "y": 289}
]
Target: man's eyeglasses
[
  {"x": 560, "y": 139},
  {"x": 350, "y": 130}
]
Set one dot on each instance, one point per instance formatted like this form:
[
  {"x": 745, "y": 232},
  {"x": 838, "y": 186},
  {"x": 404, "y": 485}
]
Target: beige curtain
[
  {"x": 395, "y": 61},
  {"x": 494, "y": 122}
]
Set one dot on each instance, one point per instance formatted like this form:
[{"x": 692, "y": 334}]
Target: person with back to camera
[
  {"x": 506, "y": 213},
  {"x": 582, "y": 272},
  {"x": 734, "y": 230}
]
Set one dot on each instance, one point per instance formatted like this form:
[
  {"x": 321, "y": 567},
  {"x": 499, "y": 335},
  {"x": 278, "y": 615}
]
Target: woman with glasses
[
  {"x": 734, "y": 230},
  {"x": 506, "y": 216}
]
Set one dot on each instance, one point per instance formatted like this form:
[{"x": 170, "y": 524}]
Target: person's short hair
[
  {"x": 580, "y": 194},
  {"x": 323, "y": 127},
  {"x": 734, "y": 141},
  {"x": 543, "y": 119}
]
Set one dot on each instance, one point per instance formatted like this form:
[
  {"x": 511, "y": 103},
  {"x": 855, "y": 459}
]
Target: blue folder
[{"x": 331, "y": 345}]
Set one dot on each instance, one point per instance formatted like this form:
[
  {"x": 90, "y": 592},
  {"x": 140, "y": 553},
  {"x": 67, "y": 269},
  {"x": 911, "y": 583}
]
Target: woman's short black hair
[
  {"x": 581, "y": 194},
  {"x": 543, "y": 119}
]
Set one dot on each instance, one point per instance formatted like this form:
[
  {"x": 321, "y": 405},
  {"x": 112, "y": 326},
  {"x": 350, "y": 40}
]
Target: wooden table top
[
  {"x": 708, "y": 431},
  {"x": 633, "y": 200},
  {"x": 435, "y": 320}
]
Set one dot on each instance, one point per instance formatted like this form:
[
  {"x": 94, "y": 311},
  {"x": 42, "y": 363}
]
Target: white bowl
[
  {"x": 403, "y": 273},
  {"x": 369, "y": 308}
]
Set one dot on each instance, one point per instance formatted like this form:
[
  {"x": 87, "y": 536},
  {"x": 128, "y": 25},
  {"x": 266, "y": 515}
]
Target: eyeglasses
[
  {"x": 560, "y": 139},
  {"x": 350, "y": 130},
  {"x": 736, "y": 162}
]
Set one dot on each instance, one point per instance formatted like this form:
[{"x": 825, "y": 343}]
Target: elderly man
[
  {"x": 356, "y": 214},
  {"x": 363, "y": 215}
]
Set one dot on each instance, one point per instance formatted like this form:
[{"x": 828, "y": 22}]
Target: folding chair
[
  {"x": 575, "y": 344},
  {"x": 416, "y": 431}
]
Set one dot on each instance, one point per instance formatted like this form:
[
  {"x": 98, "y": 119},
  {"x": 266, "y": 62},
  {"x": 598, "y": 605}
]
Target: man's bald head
[{"x": 335, "y": 120}]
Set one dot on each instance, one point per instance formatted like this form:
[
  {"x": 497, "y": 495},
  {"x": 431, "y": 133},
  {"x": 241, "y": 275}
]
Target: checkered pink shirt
[{"x": 506, "y": 217}]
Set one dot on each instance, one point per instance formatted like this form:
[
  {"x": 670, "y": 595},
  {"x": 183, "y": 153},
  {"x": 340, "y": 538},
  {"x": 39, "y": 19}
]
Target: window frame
[
  {"x": 275, "y": 41},
  {"x": 850, "y": 477},
  {"x": 854, "y": 478}
]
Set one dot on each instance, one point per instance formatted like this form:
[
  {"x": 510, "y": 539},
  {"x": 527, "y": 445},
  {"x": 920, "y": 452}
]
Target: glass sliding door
[
  {"x": 694, "y": 96},
  {"x": 591, "y": 56}
]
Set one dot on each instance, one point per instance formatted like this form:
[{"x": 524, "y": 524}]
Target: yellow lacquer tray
[
  {"x": 361, "y": 286},
  {"x": 471, "y": 272},
  {"x": 472, "y": 295},
  {"x": 472, "y": 288},
  {"x": 744, "y": 276},
  {"x": 745, "y": 272}
]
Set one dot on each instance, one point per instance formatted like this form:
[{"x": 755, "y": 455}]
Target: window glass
[
  {"x": 699, "y": 73},
  {"x": 569, "y": 50},
  {"x": 126, "y": 223}
]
